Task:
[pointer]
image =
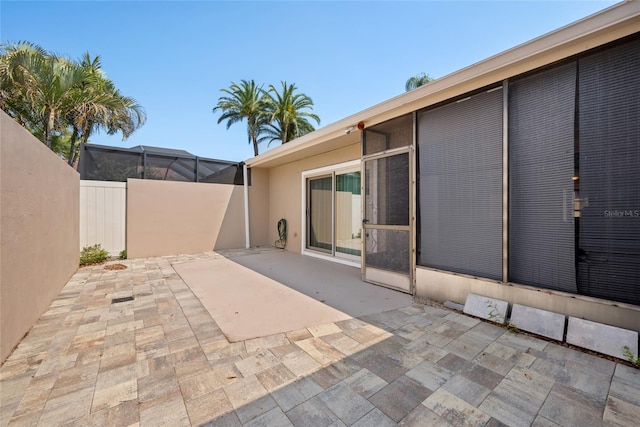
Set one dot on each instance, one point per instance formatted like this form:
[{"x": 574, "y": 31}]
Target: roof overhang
[{"x": 611, "y": 24}]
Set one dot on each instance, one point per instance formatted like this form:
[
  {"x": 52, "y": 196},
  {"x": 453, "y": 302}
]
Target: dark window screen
[
  {"x": 609, "y": 112},
  {"x": 461, "y": 186},
  {"x": 541, "y": 167}
]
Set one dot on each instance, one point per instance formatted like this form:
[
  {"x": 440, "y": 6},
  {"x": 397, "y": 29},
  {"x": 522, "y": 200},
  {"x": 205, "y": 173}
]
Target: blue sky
[{"x": 174, "y": 57}]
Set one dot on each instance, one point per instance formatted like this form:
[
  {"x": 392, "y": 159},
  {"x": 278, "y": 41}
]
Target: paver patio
[{"x": 162, "y": 360}]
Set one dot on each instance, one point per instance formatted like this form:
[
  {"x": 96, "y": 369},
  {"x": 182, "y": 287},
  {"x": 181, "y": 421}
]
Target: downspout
[{"x": 245, "y": 175}]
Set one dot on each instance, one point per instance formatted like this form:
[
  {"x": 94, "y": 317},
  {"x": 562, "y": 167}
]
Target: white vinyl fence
[{"x": 103, "y": 212}]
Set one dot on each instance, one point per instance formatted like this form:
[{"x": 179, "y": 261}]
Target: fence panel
[{"x": 103, "y": 209}]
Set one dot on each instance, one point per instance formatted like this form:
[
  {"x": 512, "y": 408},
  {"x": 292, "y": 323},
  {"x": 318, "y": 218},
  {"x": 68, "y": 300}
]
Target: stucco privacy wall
[
  {"x": 286, "y": 192},
  {"x": 169, "y": 217},
  {"x": 39, "y": 204}
]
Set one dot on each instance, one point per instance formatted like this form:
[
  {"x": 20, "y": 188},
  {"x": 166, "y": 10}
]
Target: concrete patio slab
[{"x": 246, "y": 304}]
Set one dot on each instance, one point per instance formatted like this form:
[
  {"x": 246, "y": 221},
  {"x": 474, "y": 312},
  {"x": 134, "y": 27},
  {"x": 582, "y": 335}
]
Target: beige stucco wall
[
  {"x": 285, "y": 190},
  {"x": 444, "y": 286},
  {"x": 259, "y": 208},
  {"x": 39, "y": 234},
  {"x": 169, "y": 217}
]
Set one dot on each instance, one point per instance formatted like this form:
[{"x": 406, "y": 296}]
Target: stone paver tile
[
  {"x": 122, "y": 374},
  {"x": 67, "y": 408},
  {"x": 382, "y": 366},
  {"x": 518, "y": 398},
  {"x": 467, "y": 345},
  {"x": 325, "y": 329},
  {"x": 624, "y": 388},
  {"x": 118, "y": 328},
  {"x": 399, "y": 398},
  {"x": 342, "y": 343},
  {"x": 170, "y": 412},
  {"x": 320, "y": 350},
  {"x": 621, "y": 413},
  {"x": 244, "y": 390},
  {"x": 593, "y": 385},
  {"x": 334, "y": 373},
  {"x": 350, "y": 324},
  {"x": 283, "y": 350},
  {"x": 230, "y": 419},
  {"x": 273, "y": 418},
  {"x": 522, "y": 342},
  {"x": 56, "y": 364},
  {"x": 208, "y": 407},
  {"x": 455, "y": 363},
  {"x": 295, "y": 393},
  {"x": 197, "y": 385},
  {"x": 313, "y": 412},
  {"x": 275, "y": 377},
  {"x": 74, "y": 379},
  {"x": 258, "y": 362},
  {"x": 158, "y": 387},
  {"x": 189, "y": 362},
  {"x": 509, "y": 354},
  {"x": 271, "y": 341},
  {"x": 35, "y": 396},
  {"x": 467, "y": 390},
  {"x": 482, "y": 376},
  {"x": 494, "y": 363},
  {"x": 300, "y": 363},
  {"x": 405, "y": 358},
  {"x": 183, "y": 344},
  {"x": 114, "y": 395},
  {"x": 256, "y": 408},
  {"x": 365, "y": 383},
  {"x": 376, "y": 418},
  {"x": 348, "y": 405},
  {"x": 455, "y": 410},
  {"x": 123, "y": 414},
  {"x": 298, "y": 335},
  {"x": 421, "y": 416},
  {"x": 411, "y": 331},
  {"x": 430, "y": 375},
  {"x": 495, "y": 423},
  {"x": 367, "y": 335},
  {"x": 27, "y": 419},
  {"x": 571, "y": 407},
  {"x": 423, "y": 349},
  {"x": 541, "y": 421}
]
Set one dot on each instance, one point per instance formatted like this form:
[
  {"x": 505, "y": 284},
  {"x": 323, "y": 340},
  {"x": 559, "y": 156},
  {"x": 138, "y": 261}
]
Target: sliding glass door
[{"x": 333, "y": 218}]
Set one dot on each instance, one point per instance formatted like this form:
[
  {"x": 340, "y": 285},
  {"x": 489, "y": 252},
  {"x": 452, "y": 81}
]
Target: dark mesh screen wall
[
  {"x": 609, "y": 138},
  {"x": 102, "y": 165},
  {"x": 541, "y": 167},
  {"x": 460, "y": 148}
]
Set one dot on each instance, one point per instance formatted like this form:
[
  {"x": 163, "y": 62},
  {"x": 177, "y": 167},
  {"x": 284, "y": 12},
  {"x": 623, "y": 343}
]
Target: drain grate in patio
[{"x": 123, "y": 299}]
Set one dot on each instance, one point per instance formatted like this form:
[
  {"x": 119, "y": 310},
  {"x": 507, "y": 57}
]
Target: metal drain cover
[{"x": 123, "y": 299}]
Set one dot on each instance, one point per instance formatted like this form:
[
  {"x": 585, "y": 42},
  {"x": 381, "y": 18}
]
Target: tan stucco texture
[
  {"x": 285, "y": 191},
  {"x": 39, "y": 204},
  {"x": 169, "y": 218}
]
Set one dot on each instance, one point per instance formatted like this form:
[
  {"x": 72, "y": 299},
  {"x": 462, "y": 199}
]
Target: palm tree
[
  {"x": 244, "y": 101},
  {"x": 60, "y": 101},
  {"x": 416, "y": 81},
  {"x": 100, "y": 105},
  {"x": 41, "y": 87},
  {"x": 287, "y": 118}
]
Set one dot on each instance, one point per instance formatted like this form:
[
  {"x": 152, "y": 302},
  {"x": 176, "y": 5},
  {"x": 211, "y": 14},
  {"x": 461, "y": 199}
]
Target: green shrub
[
  {"x": 123, "y": 254},
  {"x": 93, "y": 255}
]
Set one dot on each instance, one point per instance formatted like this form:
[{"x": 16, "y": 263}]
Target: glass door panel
[
  {"x": 348, "y": 223},
  {"x": 320, "y": 208}
]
